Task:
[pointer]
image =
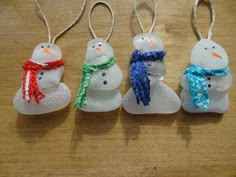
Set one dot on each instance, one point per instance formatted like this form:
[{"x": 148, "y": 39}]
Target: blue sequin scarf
[
  {"x": 139, "y": 74},
  {"x": 198, "y": 86}
]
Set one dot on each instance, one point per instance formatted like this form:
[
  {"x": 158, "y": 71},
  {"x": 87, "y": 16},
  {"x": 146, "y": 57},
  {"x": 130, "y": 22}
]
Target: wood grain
[{"x": 70, "y": 143}]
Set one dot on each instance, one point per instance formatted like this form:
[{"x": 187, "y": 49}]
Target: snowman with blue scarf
[
  {"x": 206, "y": 81},
  {"x": 148, "y": 94}
]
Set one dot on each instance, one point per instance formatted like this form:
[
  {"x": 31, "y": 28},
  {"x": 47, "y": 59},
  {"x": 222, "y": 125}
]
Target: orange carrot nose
[
  {"x": 214, "y": 54},
  {"x": 48, "y": 51},
  {"x": 151, "y": 42},
  {"x": 99, "y": 49}
]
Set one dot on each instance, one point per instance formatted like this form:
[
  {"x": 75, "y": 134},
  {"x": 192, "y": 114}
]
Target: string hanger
[
  {"x": 50, "y": 40},
  {"x": 138, "y": 17},
  {"x": 195, "y": 24},
  {"x": 112, "y": 19}
]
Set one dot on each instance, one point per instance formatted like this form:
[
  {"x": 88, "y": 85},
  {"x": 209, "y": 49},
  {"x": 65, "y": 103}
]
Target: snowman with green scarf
[
  {"x": 99, "y": 86},
  {"x": 206, "y": 81}
]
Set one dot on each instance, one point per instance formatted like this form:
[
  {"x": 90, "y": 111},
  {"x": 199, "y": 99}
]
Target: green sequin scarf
[{"x": 81, "y": 99}]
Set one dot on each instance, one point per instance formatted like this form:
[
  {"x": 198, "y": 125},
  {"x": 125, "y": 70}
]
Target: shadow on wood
[
  {"x": 132, "y": 123},
  {"x": 186, "y": 120},
  {"x": 35, "y": 127},
  {"x": 93, "y": 124}
]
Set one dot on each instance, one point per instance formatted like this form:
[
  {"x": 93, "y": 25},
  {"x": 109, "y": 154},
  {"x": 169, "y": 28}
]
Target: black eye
[
  {"x": 142, "y": 38},
  {"x": 205, "y": 48},
  {"x": 42, "y": 46},
  {"x": 93, "y": 46},
  {"x": 99, "y": 45},
  {"x": 213, "y": 47},
  {"x": 48, "y": 46}
]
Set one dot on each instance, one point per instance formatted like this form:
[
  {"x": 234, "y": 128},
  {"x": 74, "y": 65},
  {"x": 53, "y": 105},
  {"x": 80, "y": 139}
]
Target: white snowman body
[
  {"x": 211, "y": 56},
  {"x": 103, "y": 92},
  {"x": 163, "y": 99},
  {"x": 57, "y": 94}
]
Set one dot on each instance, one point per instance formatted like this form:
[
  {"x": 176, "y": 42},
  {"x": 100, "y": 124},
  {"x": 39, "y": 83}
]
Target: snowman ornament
[
  {"x": 41, "y": 89},
  {"x": 148, "y": 94},
  {"x": 99, "y": 86},
  {"x": 206, "y": 81}
]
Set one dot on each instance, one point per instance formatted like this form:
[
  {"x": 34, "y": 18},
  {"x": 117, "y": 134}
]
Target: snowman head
[
  {"x": 46, "y": 52},
  {"x": 208, "y": 54},
  {"x": 148, "y": 42},
  {"x": 98, "y": 52}
]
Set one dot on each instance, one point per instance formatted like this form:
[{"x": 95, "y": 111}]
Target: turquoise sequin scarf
[{"x": 198, "y": 86}]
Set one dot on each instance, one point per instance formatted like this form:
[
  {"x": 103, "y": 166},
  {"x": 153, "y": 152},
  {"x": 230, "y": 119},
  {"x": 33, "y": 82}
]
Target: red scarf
[{"x": 30, "y": 88}]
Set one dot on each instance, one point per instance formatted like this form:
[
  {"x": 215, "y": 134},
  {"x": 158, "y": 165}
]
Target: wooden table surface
[{"x": 70, "y": 143}]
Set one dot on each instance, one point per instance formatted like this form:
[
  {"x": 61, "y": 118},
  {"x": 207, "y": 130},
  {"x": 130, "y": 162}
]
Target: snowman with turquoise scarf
[{"x": 206, "y": 81}]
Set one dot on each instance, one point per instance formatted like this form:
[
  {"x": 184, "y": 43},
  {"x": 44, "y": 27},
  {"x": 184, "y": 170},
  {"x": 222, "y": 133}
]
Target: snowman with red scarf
[{"x": 41, "y": 91}]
